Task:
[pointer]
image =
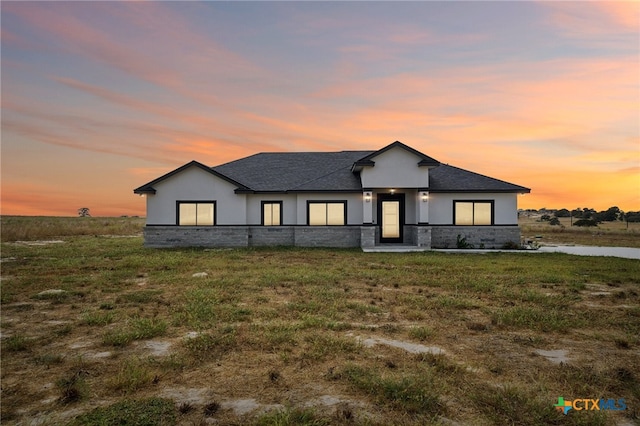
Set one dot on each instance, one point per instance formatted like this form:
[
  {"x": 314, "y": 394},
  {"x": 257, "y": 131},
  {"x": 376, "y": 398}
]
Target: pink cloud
[
  {"x": 623, "y": 13},
  {"x": 199, "y": 58},
  {"x": 80, "y": 37},
  {"x": 594, "y": 19}
]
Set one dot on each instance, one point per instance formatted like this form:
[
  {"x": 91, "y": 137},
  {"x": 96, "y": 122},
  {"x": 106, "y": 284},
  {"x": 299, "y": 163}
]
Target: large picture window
[
  {"x": 326, "y": 212},
  {"x": 196, "y": 213},
  {"x": 473, "y": 213},
  {"x": 271, "y": 213}
]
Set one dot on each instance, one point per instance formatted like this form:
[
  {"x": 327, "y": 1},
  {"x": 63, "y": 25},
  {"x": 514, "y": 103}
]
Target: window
[
  {"x": 271, "y": 213},
  {"x": 473, "y": 212},
  {"x": 196, "y": 213},
  {"x": 326, "y": 212}
]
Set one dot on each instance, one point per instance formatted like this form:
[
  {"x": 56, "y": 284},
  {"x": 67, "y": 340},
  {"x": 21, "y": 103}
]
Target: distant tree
[
  {"x": 577, "y": 213},
  {"x": 84, "y": 212},
  {"x": 545, "y": 218},
  {"x": 585, "y": 222},
  {"x": 610, "y": 215},
  {"x": 554, "y": 221},
  {"x": 632, "y": 216},
  {"x": 563, "y": 213}
]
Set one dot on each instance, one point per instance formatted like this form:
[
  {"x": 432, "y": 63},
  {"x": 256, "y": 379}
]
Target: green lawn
[{"x": 97, "y": 329}]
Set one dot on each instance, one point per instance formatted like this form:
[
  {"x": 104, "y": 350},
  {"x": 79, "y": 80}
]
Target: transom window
[
  {"x": 271, "y": 213},
  {"x": 196, "y": 213},
  {"x": 326, "y": 212},
  {"x": 473, "y": 212}
]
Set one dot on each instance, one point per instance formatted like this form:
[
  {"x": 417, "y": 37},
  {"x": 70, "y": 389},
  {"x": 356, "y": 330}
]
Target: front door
[{"x": 391, "y": 217}]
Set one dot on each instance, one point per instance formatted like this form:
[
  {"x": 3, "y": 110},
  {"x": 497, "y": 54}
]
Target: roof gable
[
  {"x": 148, "y": 188},
  {"x": 425, "y": 160}
]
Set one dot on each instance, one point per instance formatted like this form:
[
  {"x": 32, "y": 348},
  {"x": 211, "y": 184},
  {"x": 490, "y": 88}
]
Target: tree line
[{"x": 585, "y": 216}]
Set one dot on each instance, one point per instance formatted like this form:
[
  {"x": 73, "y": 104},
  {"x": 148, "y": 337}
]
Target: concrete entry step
[{"x": 394, "y": 249}]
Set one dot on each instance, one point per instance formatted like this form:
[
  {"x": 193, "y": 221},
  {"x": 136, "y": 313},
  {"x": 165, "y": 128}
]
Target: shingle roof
[
  {"x": 296, "y": 171},
  {"x": 331, "y": 172},
  {"x": 446, "y": 178}
]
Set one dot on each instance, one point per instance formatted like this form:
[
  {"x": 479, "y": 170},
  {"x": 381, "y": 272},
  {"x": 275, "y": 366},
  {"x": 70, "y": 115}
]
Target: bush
[
  {"x": 585, "y": 222},
  {"x": 461, "y": 243},
  {"x": 511, "y": 245},
  {"x": 73, "y": 388}
]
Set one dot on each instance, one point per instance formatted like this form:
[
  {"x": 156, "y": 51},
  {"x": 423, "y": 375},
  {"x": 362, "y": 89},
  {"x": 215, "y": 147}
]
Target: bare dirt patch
[
  {"x": 556, "y": 356},
  {"x": 413, "y": 348},
  {"x": 39, "y": 242}
]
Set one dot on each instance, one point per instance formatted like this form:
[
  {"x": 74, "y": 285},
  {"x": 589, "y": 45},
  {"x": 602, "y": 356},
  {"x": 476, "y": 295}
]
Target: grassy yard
[{"x": 97, "y": 329}]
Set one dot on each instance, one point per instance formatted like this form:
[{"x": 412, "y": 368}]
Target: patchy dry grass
[
  {"x": 606, "y": 234},
  {"x": 277, "y": 336},
  {"x": 29, "y": 228}
]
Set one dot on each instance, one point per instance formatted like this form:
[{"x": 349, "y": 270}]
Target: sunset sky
[{"x": 99, "y": 98}]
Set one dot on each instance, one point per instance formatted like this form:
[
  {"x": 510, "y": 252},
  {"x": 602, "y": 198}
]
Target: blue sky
[{"x": 101, "y": 97}]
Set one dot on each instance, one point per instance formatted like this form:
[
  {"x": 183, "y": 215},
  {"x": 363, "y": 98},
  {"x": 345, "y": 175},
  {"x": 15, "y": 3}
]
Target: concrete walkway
[{"x": 623, "y": 252}]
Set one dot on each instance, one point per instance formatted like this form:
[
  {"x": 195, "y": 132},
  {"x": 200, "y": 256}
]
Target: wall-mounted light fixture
[
  {"x": 367, "y": 197},
  {"x": 424, "y": 196},
  {"x": 392, "y": 190}
]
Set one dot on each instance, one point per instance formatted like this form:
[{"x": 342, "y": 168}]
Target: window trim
[
  {"x": 263, "y": 203},
  {"x": 215, "y": 210},
  {"x": 474, "y": 202},
  {"x": 343, "y": 202}
]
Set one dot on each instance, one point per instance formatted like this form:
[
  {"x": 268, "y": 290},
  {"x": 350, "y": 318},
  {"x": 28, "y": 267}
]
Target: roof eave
[
  {"x": 484, "y": 191},
  {"x": 428, "y": 163},
  {"x": 341, "y": 191},
  {"x": 144, "y": 190}
]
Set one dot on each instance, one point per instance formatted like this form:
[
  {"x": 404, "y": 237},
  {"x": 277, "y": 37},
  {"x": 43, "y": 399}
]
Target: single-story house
[{"x": 395, "y": 195}]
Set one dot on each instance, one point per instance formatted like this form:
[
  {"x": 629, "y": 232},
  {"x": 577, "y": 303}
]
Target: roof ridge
[{"x": 236, "y": 160}]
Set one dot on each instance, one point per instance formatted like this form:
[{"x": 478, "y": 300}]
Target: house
[{"x": 396, "y": 195}]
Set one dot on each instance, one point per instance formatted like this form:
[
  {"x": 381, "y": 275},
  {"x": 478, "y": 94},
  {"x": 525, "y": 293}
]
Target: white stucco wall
[
  {"x": 395, "y": 168},
  {"x": 196, "y": 184},
  {"x": 441, "y": 207}
]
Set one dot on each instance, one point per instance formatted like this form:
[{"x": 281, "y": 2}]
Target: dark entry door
[{"x": 391, "y": 217}]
